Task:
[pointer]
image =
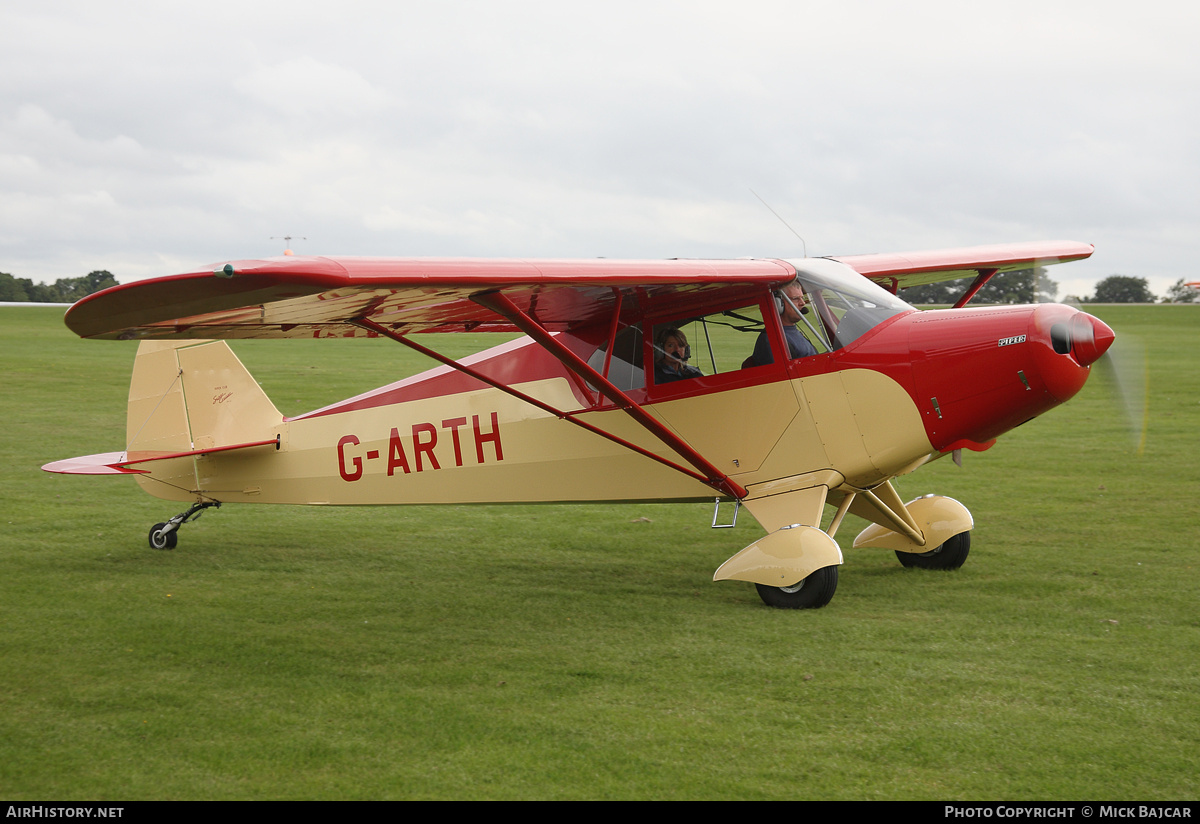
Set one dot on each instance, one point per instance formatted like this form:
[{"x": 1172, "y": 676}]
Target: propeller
[{"x": 1126, "y": 367}]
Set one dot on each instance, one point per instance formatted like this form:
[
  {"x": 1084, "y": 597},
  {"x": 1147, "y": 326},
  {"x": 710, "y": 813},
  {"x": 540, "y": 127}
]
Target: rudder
[{"x": 186, "y": 396}]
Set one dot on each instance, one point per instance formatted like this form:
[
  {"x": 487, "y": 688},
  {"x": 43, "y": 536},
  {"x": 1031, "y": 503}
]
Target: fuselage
[{"x": 890, "y": 389}]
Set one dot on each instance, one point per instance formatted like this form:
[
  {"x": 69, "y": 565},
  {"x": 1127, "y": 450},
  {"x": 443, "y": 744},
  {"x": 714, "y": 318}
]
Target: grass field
[{"x": 583, "y": 652}]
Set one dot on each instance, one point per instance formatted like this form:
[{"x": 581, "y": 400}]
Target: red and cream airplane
[{"x": 784, "y": 386}]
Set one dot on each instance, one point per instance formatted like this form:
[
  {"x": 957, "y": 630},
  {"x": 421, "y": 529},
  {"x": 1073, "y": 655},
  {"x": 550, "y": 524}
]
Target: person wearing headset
[
  {"x": 671, "y": 354},
  {"x": 790, "y": 302}
]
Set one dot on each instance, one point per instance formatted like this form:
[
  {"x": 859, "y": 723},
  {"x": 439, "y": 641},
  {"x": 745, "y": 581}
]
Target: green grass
[{"x": 583, "y": 652}]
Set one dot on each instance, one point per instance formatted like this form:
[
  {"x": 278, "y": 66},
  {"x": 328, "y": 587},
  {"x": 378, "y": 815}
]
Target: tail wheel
[
  {"x": 812, "y": 592},
  {"x": 166, "y": 535},
  {"x": 950, "y": 555},
  {"x": 163, "y": 540}
]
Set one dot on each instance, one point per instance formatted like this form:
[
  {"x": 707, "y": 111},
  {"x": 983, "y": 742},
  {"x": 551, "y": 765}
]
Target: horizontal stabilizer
[
  {"x": 105, "y": 463},
  {"x": 121, "y": 463}
]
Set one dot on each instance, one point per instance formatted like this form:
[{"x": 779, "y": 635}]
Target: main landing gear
[
  {"x": 950, "y": 555},
  {"x": 812, "y": 592},
  {"x": 166, "y": 535}
]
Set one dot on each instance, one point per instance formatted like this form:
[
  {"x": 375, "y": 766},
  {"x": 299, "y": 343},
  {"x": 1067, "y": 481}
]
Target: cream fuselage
[{"x": 831, "y": 421}]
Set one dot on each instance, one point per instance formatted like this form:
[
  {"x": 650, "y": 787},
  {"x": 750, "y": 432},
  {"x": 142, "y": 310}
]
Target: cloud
[
  {"x": 632, "y": 129},
  {"x": 305, "y": 88}
]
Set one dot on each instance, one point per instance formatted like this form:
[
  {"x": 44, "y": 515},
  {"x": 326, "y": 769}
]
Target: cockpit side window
[
  {"x": 712, "y": 344},
  {"x": 847, "y": 305},
  {"x": 803, "y": 332}
]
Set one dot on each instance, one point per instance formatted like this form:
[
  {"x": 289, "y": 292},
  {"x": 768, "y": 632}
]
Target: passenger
[
  {"x": 671, "y": 354},
  {"x": 789, "y": 312}
]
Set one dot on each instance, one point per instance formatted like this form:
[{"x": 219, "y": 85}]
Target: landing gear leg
[{"x": 166, "y": 535}]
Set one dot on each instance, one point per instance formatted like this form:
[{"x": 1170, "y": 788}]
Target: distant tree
[
  {"x": 69, "y": 290},
  {"x": 1020, "y": 286},
  {"x": 63, "y": 290},
  {"x": 43, "y": 293},
  {"x": 945, "y": 292},
  {"x": 99, "y": 279},
  {"x": 14, "y": 289},
  {"x": 1180, "y": 292},
  {"x": 1122, "y": 289}
]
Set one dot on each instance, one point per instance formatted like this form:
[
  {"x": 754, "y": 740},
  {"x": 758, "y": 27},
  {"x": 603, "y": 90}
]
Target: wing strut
[
  {"x": 983, "y": 277},
  {"x": 502, "y": 305},
  {"x": 728, "y": 487}
]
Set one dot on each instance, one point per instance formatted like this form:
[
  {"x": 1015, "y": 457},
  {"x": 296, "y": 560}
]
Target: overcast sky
[{"x": 151, "y": 138}]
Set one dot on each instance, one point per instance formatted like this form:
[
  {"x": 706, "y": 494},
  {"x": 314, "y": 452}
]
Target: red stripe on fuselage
[{"x": 518, "y": 361}]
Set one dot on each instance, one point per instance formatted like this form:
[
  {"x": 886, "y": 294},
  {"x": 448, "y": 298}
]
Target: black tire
[
  {"x": 950, "y": 555},
  {"x": 812, "y": 592},
  {"x": 163, "y": 540}
]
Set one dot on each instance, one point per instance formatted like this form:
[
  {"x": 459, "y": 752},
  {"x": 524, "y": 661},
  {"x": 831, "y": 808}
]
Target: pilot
[
  {"x": 671, "y": 354},
  {"x": 790, "y": 300}
]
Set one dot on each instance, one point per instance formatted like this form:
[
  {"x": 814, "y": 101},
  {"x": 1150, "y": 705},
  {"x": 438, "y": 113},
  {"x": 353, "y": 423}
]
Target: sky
[{"x": 152, "y": 138}]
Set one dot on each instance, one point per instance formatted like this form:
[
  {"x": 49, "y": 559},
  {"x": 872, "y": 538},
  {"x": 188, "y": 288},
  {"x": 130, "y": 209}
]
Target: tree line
[
  {"x": 63, "y": 290},
  {"x": 1033, "y": 286}
]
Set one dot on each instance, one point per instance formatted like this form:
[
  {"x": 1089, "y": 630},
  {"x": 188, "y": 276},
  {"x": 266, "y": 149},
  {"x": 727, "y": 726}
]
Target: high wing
[
  {"x": 315, "y": 297},
  {"x": 900, "y": 270},
  {"x": 307, "y": 297}
]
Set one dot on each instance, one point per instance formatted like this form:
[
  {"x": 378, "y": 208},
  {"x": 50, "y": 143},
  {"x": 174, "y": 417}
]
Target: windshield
[{"x": 848, "y": 304}]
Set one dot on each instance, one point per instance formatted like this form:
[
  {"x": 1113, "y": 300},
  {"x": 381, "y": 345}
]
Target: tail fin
[
  {"x": 187, "y": 399},
  {"x": 191, "y": 397}
]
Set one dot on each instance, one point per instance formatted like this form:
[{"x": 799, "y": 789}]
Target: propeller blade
[{"x": 1126, "y": 365}]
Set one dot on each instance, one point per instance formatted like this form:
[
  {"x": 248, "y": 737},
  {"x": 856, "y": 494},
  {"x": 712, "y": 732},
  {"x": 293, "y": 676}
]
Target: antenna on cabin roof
[
  {"x": 288, "y": 239},
  {"x": 803, "y": 245}
]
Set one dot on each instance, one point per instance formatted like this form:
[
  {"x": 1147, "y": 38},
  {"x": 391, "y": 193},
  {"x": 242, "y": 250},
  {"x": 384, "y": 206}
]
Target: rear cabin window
[{"x": 625, "y": 368}]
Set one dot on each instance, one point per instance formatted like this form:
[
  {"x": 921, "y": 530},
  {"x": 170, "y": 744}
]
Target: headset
[
  {"x": 780, "y": 297},
  {"x": 672, "y": 332}
]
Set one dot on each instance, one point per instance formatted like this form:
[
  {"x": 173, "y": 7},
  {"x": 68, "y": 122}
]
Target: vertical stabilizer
[
  {"x": 187, "y": 396},
  {"x": 156, "y": 420}
]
